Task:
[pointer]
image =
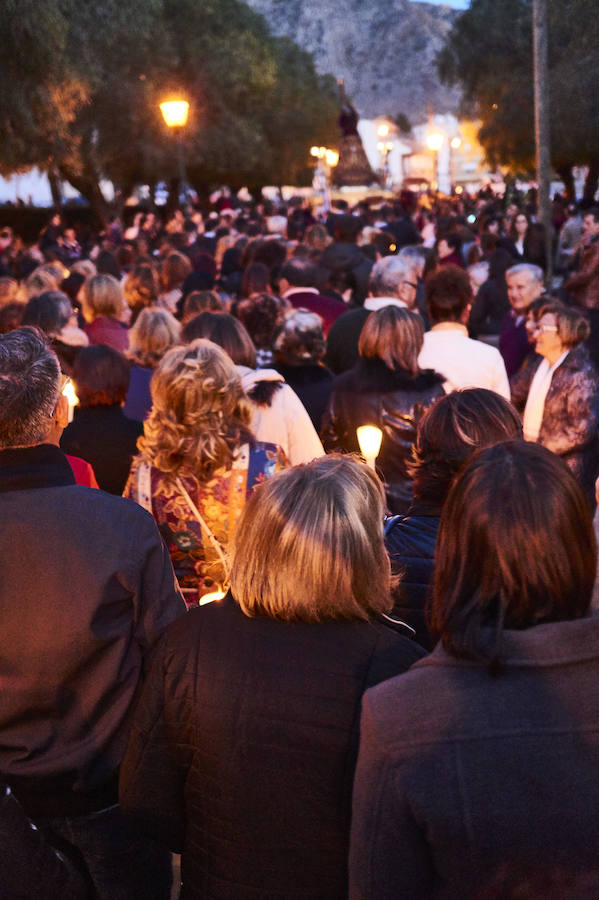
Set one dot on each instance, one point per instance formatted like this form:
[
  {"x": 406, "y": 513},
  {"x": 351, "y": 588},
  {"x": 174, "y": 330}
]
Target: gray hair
[
  {"x": 414, "y": 252},
  {"x": 29, "y": 388},
  {"x": 536, "y": 272},
  {"x": 388, "y": 273}
]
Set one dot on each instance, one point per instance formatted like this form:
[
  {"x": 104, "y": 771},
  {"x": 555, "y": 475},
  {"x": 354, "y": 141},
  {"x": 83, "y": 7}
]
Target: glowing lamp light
[
  {"x": 369, "y": 439},
  {"x": 383, "y": 130},
  {"x": 210, "y": 598},
  {"x": 456, "y": 142},
  {"x": 175, "y": 112},
  {"x": 314, "y": 151},
  {"x": 434, "y": 141},
  {"x": 332, "y": 158}
]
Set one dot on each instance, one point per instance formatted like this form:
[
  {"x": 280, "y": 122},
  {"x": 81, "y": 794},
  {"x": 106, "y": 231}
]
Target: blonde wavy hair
[
  {"x": 200, "y": 413},
  {"x": 154, "y": 333},
  {"x": 309, "y": 545}
]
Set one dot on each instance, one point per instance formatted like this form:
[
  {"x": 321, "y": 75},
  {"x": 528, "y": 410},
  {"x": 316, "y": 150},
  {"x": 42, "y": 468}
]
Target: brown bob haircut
[
  {"x": 309, "y": 545},
  {"x": 448, "y": 293},
  {"x": 224, "y": 330},
  {"x": 454, "y": 428},
  {"x": 395, "y": 335},
  {"x": 101, "y": 376},
  {"x": 572, "y": 327},
  {"x": 516, "y": 548}
]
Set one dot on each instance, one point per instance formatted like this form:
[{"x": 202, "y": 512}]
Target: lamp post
[
  {"x": 385, "y": 146},
  {"x": 175, "y": 113},
  {"x": 454, "y": 144},
  {"x": 327, "y": 160},
  {"x": 434, "y": 142}
]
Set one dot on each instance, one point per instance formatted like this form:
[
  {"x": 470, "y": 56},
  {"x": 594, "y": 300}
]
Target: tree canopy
[
  {"x": 80, "y": 87},
  {"x": 489, "y": 54}
]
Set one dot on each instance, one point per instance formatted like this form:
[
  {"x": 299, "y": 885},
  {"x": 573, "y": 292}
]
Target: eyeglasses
[
  {"x": 546, "y": 329},
  {"x": 411, "y": 284}
]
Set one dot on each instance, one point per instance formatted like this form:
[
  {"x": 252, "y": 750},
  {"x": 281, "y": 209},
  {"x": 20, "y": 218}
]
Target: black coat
[
  {"x": 312, "y": 384},
  {"x": 395, "y": 401},
  {"x": 104, "y": 437},
  {"x": 243, "y": 749},
  {"x": 410, "y": 541}
]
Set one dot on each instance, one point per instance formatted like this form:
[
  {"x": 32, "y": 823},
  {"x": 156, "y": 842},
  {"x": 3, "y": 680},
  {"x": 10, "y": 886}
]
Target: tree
[
  {"x": 489, "y": 54},
  {"x": 79, "y": 93}
]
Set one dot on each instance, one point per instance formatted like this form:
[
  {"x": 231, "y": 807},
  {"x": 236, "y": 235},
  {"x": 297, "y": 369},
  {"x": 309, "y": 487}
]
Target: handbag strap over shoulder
[{"x": 214, "y": 540}]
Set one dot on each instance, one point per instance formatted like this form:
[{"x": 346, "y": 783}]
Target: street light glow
[
  {"x": 383, "y": 130},
  {"x": 434, "y": 141},
  {"x": 456, "y": 142},
  {"x": 175, "y": 112}
]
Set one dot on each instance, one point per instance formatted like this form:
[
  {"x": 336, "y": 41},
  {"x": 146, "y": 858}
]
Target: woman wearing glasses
[{"x": 557, "y": 395}]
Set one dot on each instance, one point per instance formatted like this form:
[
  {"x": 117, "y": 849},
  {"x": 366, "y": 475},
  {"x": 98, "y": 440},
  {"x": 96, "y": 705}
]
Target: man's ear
[{"x": 61, "y": 415}]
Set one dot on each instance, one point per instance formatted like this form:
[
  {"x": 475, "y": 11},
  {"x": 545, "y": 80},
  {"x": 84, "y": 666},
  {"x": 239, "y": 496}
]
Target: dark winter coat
[
  {"x": 87, "y": 588},
  {"x": 470, "y": 785},
  {"x": 395, "y": 401},
  {"x": 106, "y": 438},
  {"x": 343, "y": 338},
  {"x": 243, "y": 749},
  {"x": 410, "y": 541},
  {"x": 570, "y": 425},
  {"x": 583, "y": 285}
]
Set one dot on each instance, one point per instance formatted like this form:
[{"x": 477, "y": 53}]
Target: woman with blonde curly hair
[{"x": 198, "y": 463}]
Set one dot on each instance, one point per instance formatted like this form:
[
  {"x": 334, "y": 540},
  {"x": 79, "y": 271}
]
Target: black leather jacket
[{"x": 371, "y": 394}]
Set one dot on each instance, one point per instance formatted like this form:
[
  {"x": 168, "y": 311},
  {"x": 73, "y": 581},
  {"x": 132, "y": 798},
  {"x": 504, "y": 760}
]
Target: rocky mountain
[{"x": 384, "y": 49}]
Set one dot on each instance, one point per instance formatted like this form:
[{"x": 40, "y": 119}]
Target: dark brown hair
[
  {"x": 516, "y": 548},
  {"x": 448, "y": 293},
  {"x": 454, "y": 428},
  {"x": 224, "y": 330},
  {"x": 101, "y": 376}
]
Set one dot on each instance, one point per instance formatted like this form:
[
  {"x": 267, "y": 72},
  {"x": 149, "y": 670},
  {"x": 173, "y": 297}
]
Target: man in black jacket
[{"x": 87, "y": 589}]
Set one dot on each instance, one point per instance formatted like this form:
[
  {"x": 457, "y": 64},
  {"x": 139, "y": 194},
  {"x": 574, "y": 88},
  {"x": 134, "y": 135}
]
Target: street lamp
[
  {"x": 434, "y": 142},
  {"x": 175, "y": 113},
  {"x": 327, "y": 160},
  {"x": 385, "y": 146},
  {"x": 454, "y": 144}
]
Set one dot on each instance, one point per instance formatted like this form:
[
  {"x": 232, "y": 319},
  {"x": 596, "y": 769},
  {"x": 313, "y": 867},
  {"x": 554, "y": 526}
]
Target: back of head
[
  {"x": 102, "y": 296},
  {"x": 200, "y": 412},
  {"x": 226, "y": 331},
  {"x": 301, "y": 338},
  {"x": 101, "y": 376},
  {"x": 29, "y": 388},
  {"x": 142, "y": 286},
  {"x": 516, "y": 548},
  {"x": 448, "y": 293},
  {"x": 451, "y": 431},
  {"x": 347, "y": 228},
  {"x": 155, "y": 331},
  {"x": 261, "y": 315},
  {"x": 309, "y": 545},
  {"x": 201, "y": 301},
  {"x": 387, "y": 275},
  {"x": 49, "y": 311},
  {"x": 299, "y": 272},
  {"x": 395, "y": 335}
]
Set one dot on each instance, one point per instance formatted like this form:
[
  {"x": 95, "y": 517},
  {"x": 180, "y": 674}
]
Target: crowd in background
[{"x": 222, "y": 361}]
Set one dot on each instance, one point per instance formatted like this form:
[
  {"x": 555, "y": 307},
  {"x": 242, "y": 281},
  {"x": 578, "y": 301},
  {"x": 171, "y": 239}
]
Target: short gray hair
[
  {"x": 536, "y": 272},
  {"x": 388, "y": 273},
  {"x": 29, "y": 388}
]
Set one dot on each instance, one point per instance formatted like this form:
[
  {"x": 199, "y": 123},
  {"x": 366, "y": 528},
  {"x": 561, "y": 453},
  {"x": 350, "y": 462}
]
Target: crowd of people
[{"x": 225, "y": 636}]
